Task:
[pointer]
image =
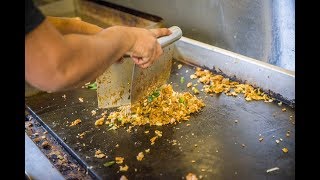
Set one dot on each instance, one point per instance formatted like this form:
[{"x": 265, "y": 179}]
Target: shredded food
[{"x": 163, "y": 106}]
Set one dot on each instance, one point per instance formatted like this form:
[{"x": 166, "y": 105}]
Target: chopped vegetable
[
  {"x": 92, "y": 86},
  {"x": 107, "y": 164},
  {"x": 181, "y": 100},
  {"x": 182, "y": 80}
]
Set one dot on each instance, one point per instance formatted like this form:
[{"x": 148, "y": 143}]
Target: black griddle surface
[{"x": 213, "y": 139}]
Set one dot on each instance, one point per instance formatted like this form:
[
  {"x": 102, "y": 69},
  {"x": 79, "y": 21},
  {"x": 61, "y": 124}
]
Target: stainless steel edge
[{"x": 258, "y": 73}]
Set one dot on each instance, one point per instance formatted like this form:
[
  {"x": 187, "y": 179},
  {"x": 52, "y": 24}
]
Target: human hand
[{"x": 146, "y": 48}]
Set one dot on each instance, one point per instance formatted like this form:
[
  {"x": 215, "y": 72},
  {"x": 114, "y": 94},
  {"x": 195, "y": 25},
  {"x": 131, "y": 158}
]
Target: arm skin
[{"x": 56, "y": 62}]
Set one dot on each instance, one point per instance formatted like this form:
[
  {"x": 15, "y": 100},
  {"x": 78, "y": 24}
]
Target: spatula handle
[{"x": 174, "y": 36}]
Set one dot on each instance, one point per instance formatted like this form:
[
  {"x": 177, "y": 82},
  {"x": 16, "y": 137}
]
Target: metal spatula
[{"x": 123, "y": 84}]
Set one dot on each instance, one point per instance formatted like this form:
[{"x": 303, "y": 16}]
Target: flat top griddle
[{"x": 213, "y": 139}]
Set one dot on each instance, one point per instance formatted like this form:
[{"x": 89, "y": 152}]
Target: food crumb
[
  {"x": 117, "y": 145},
  {"x": 193, "y": 161},
  {"x": 119, "y": 160},
  {"x": 45, "y": 144},
  {"x": 146, "y": 132},
  {"x": 203, "y": 170},
  {"x": 147, "y": 150},
  {"x": 188, "y": 124},
  {"x": 280, "y": 139},
  {"x": 285, "y": 150},
  {"x": 140, "y": 156},
  {"x": 284, "y": 109},
  {"x": 93, "y": 112},
  {"x": 236, "y": 121},
  {"x": 123, "y": 177},
  {"x": 64, "y": 96},
  {"x": 243, "y": 145},
  {"x": 280, "y": 103},
  {"x": 124, "y": 168},
  {"x": 99, "y": 122},
  {"x": 193, "y": 76},
  {"x": 189, "y": 84},
  {"x": 75, "y": 122},
  {"x": 288, "y": 134},
  {"x": 158, "y": 133},
  {"x": 179, "y": 66},
  {"x": 80, "y": 99},
  {"x": 272, "y": 169},
  {"x": 191, "y": 176},
  {"x": 152, "y": 140},
  {"x": 99, "y": 154},
  {"x": 277, "y": 141},
  {"x": 260, "y": 139}
]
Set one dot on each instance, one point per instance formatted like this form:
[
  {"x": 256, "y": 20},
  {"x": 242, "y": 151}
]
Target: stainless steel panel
[{"x": 263, "y": 30}]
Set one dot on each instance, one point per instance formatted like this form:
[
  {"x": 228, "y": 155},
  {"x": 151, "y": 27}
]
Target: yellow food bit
[
  {"x": 124, "y": 168},
  {"x": 158, "y": 133},
  {"x": 140, "y": 156},
  {"x": 119, "y": 160},
  {"x": 152, "y": 140},
  {"x": 99, "y": 122},
  {"x": 285, "y": 150},
  {"x": 75, "y": 122}
]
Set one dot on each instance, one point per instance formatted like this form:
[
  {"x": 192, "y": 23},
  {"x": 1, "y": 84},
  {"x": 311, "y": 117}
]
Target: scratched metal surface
[{"x": 213, "y": 139}]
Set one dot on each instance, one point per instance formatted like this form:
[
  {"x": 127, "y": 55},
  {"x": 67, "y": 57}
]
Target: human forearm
[
  {"x": 89, "y": 56},
  {"x": 67, "y": 25}
]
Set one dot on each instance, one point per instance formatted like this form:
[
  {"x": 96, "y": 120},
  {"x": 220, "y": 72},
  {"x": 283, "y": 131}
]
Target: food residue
[
  {"x": 214, "y": 83},
  {"x": 163, "y": 106},
  {"x": 124, "y": 168},
  {"x": 191, "y": 176},
  {"x": 80, "y": 99},
  {"x": 283, "y": 109},
  {"x": 123, "y": 177},
  {"x": 93, "y": 112},
  {"x": 285, "y": 150},
  {"x": 158, "y": 133},
  {"x": 119, "y": 160},
  {"x": 147, "y": 150},
  {"x": 99, "y": 154},
  {"x": 99, "y": 122},
  {"x": 152, "y": 140},
  {"x": 75, "y": 122},
  {"x": 189, "y": 84},
  {"x": 179, "y": 66},
  {"x": 140, "y": 156},
  {"x": 260, "y": 139},
  {"x": 272, "y": 169},
  {"x": 107, "y": 164}
]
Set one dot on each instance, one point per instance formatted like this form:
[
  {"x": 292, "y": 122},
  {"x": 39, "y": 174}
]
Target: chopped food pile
[
  {"x": 218, "y": 84},
  {"x": 163, "y": 106}
]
